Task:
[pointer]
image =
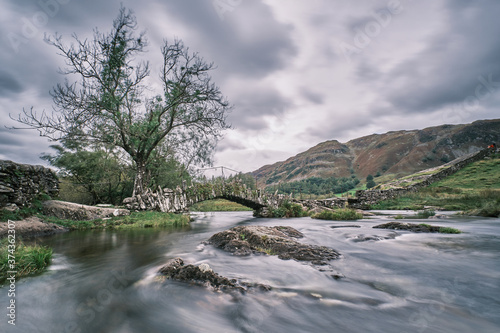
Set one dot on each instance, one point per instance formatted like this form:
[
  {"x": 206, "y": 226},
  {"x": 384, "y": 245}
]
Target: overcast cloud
[{"x": 298, "y": 72}]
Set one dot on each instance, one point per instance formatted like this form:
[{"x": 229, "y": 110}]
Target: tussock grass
[
  {"x": 448, "y": 230},
  {"x": 343, "y": 214},
  {"x": 29, "y": 260}
]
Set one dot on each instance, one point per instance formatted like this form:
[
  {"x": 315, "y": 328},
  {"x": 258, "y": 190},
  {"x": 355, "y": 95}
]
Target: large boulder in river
[{"x": 280, "y": 241}]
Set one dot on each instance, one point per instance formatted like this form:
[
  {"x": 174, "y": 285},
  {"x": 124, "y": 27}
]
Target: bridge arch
[{"x": 180, "y": 199}]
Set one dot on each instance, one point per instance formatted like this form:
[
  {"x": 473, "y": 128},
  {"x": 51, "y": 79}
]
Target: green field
[
  {"x": 475, "y": 189},
  {"x": 218, "y": 205}
]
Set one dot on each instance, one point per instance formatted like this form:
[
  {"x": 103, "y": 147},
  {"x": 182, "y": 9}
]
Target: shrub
[{"x": 288, "y": 209}]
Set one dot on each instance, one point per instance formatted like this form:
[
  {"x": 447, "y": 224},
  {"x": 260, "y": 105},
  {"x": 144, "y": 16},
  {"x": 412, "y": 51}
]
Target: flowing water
[{"x": 394, "y": 281}]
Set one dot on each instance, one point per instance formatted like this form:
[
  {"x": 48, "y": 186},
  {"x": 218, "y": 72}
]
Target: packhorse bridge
[{"x": 180, "y": 199}]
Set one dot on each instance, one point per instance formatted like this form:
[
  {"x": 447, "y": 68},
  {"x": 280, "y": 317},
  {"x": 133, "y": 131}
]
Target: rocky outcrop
[
  {"x": 31, "y": 227},
  {"x": 78, "y": 212},
  {"x": 280, "y": 241},
  {"x": 20, "y": 184},
  {"x": 203, "y": 275}
]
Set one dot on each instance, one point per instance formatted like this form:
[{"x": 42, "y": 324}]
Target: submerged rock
[
  {"x": 345, "y": 226},
  {"x": 364, "y": 238},
  {"x": 203, "y": 275},
  {"x": 409, "y": 226},
  {"x": 280, "y": 241}
]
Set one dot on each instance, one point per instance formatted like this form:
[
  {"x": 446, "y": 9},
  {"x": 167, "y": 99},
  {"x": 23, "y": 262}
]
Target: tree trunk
[{"x": 140, "y": 179}]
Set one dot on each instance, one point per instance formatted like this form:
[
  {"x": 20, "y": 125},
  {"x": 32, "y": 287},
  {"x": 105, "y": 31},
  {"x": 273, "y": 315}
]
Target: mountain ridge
[{"x": 393, "y": 154}]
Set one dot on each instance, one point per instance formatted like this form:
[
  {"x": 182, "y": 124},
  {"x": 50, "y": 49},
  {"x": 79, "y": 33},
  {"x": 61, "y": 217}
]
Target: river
[{"x": 104, "y": 281}]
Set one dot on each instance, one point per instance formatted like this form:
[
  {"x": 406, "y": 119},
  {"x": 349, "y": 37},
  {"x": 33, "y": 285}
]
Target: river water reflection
[{"x": 394, "y": 281}]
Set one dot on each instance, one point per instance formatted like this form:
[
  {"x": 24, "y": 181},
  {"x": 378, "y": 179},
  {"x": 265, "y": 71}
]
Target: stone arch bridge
[{"x": 180, "y": 199}]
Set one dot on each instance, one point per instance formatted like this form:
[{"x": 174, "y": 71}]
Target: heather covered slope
[{"x": 392, "y": 154}]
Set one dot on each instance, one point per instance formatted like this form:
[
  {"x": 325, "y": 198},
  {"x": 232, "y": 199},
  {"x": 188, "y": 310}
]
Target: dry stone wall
[{"x": 20, "y": 184}]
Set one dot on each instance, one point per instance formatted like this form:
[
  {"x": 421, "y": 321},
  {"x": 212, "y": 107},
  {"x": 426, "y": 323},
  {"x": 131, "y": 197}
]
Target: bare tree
[{"x": 109, "y": 104}]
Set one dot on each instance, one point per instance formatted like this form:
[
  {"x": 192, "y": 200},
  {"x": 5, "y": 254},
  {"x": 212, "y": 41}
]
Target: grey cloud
[
  {"x": 339, "y": 127},
  {"x": 227, "y": 144},
  {"x": 454, "y": 63},
  {"x": 313, "y": 96},
  {"x": 253, "y": 104},
  {"x": 248, "y": 42},
  {"x": 9, "y": 84},
  {"x": 8, "y": 138},
  {"x": 20, "y": 146}
]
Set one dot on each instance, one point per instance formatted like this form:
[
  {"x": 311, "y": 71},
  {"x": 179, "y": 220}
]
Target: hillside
[
  {"x": 391, "y": 155},
  {"x": 475, "y": 189}
]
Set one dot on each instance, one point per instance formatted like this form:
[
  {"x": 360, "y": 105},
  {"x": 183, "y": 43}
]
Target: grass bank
[
  {"x": 28, "y": 260},
  {"x": 218, "y": 205},
  {"x": 148, "y": 219},
  {"x": 475, "y": 190}
]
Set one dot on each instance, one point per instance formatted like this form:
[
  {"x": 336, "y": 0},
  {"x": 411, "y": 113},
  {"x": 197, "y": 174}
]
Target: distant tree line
[{"x": 316, "y": 186}]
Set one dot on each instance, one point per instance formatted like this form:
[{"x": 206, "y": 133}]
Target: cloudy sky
[{"x": 298, "y": 72}]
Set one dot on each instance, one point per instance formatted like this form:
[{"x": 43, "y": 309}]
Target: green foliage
[
  {"x": 370, "y": 183},
  {"x": 316, "y": 186},
  {"x": 32, "y": 259},
  {"x": 98, "y": 175},
  {"x": 445, "y": 159},
  {"x": 288, "y": 209},
  {"x": 95, "y": 175},
  {"x": 342, "y": 214},
  {"x": 448, "y": 230},
  {"x": 218, "y": 205},
  {"x": 23, "y": 212},
  {"x": 424, "y": 214}
]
